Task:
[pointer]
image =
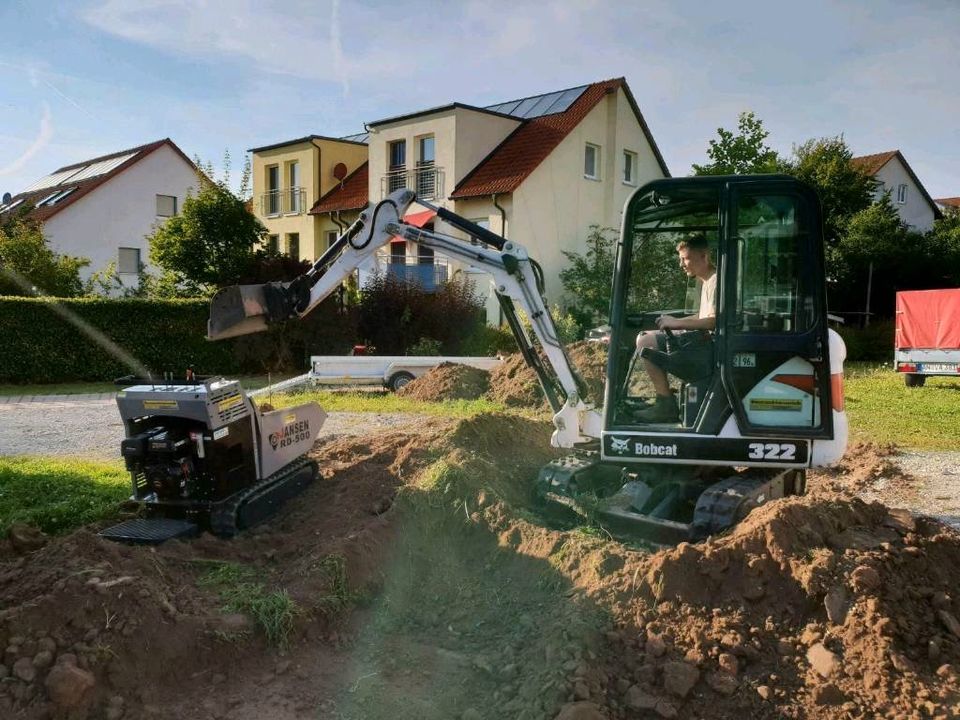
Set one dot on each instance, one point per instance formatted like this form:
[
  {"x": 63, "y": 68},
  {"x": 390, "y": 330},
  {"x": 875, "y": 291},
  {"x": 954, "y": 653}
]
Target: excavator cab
[{"x": 759, "y": 398}]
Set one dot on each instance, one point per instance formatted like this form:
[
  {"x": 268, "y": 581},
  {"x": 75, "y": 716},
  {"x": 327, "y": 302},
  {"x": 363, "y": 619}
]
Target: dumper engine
[{"x": 165, "y": 461}]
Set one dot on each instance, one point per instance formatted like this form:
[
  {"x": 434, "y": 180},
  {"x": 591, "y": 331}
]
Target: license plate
[{"x": 938, "y": 367}]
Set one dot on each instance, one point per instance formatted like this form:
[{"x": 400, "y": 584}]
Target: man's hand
[{"x": 668, "y": 322}]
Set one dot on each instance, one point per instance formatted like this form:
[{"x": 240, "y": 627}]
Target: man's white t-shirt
[{"x": 708, "y": 297}]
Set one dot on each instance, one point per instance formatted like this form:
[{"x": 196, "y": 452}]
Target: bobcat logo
[
  {"x": 619, "y": 445},
  {"x": 274, "y": 440}
]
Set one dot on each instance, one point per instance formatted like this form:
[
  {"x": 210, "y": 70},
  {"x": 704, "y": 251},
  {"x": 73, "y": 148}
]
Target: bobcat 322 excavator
[{"x": 763, "y": 404}]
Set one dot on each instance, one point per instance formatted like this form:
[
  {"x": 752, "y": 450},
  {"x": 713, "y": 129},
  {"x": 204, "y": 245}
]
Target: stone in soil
[
  {"x": 69, "y": 686},
  {"x": 822, "y": 660}
]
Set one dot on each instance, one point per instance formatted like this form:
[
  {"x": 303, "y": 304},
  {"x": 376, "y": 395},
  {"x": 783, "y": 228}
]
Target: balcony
[
  {"x": 426, "y": 181},
  {"x": 430, "y": 275},
  {"x": 290, "y": 201}
]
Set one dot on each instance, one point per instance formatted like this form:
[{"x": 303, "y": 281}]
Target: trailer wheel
[
  {"x": 914, "y": 380},
  {"x": 398, "y": 380}
]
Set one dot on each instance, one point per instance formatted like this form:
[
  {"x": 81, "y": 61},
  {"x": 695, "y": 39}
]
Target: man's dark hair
[{"x": 697, "y": 241}]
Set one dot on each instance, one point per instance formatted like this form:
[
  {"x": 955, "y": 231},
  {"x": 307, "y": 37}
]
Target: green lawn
[
  {"x": 374, "y": 401},
  {"x": 59, "y": 495},
  {"x": 250, "y": 382},
  {"x": 882, "y": 409}
]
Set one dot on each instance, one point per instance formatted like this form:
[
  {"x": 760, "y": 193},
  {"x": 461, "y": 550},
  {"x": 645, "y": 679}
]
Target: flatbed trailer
[
  {"x": 390, "y": 371},
  {"x": 927, "y": 341}
]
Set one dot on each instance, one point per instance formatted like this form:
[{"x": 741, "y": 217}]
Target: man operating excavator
[{"x": 695, "y": 330}]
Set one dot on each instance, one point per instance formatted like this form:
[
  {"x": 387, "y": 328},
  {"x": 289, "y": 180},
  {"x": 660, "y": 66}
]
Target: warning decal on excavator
[
  {"x": 776, "y": 404},
  {"x": 160, "y": 405},
  {"x": 703, "y": 450}
]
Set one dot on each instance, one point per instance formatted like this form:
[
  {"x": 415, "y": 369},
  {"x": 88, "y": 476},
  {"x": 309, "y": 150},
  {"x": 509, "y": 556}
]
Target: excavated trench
[{"x": 418, "y": 581}]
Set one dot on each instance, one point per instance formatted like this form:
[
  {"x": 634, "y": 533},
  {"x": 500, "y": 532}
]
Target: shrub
[
  {"x": 870, "y": 344},
  {"x": 487, "y": 341},
  {"x": 395, "y": 314}
]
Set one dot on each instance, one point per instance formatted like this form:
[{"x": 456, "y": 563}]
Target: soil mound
[
  {"x": 818, "y": 606},
  {"x": 448, "y": 381},
  {"x": 515, "y": 384}
]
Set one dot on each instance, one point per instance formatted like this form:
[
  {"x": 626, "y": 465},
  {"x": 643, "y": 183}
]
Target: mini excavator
[{"x": 761, "y": 404}]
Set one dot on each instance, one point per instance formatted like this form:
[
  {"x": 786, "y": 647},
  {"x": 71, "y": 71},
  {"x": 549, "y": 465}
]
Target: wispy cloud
[
  {"x": 44, "y": 136},
  {"x": 337, "y": 45}
]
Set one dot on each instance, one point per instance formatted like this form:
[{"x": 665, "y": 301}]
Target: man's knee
[{"x": 647, "y": 339}]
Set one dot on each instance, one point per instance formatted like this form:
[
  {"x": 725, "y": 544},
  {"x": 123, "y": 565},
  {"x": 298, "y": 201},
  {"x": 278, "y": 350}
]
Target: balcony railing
[
  {"x": 289, "y": 201},
  {"x": 425, "y": 180},
  {"x": 428, "y": 274}
]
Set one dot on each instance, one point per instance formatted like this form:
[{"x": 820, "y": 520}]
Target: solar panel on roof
[
  {"x": 100, "y": 168},
  {"x": 52, "y": 180},
  {"x": 539, "y": 105}
]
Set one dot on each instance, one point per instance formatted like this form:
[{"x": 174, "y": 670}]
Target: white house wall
[
  {"x": 555, "y": 206},
  {"x": 121, "y": 212},
  {"x": 916, "y": 211}
]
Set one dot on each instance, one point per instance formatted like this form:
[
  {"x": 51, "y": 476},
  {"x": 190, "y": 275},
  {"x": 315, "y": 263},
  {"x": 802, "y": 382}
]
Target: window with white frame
[
  {"x": 166, "y": 205},
  {"x": 332, "y": 236},
  {"x": 629, "y": 168},
  {"x": 901, "y": 193},
  {"x": 128, "y": 261},
  {"x": 591, "y": 162}
]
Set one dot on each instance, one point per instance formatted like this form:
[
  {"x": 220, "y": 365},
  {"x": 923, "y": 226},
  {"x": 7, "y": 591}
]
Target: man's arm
[{"x": 666, "y": 322}]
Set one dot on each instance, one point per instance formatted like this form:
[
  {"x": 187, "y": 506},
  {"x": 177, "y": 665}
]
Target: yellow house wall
[
  {"x": 441, "y": 125},
  {"x": 477, "y": 134},
  {"x": 317, "y": 159},
  {"x": 555, "y": 206}
]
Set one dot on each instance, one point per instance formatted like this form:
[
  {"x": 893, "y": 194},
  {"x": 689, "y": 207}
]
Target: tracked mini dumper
[{"x": 202, "y": 456}]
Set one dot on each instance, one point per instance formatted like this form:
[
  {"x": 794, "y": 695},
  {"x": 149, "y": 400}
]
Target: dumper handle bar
[{"x": 518, "y": 280}]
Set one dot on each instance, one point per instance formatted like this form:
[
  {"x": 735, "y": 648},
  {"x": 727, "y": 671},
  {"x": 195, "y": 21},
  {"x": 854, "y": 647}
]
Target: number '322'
[{"x": 772, "y": 451}]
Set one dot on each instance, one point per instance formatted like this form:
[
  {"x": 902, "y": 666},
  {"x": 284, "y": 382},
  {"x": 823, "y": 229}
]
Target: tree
[
  {"x": 29, "y": 267},
  {"x": 844, "y": 188},
  {"x": 212, "y": 242},
  {"x": 743, "y": 153},
  {"x": 590, "y": 277}
]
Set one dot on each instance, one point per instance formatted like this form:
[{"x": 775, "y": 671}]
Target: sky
[{"x": 85, "y": 78}]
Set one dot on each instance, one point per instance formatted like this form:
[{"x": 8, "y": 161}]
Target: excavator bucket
[{"x": 238, "y": 310}]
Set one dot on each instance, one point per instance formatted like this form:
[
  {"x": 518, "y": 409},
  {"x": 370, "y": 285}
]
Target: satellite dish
[
  {"x": 339, "y": 171},
  {"x": 7, "y": 197}
]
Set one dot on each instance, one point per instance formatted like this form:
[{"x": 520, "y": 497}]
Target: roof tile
[
  {"x": 352, "y": 194},
  {"x": 512, "y": 161}
]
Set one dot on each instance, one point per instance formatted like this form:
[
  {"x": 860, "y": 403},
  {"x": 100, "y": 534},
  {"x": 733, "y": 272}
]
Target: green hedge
[
  {"x": 869, "y": 344},
  {"x": 86, "y": 339}
]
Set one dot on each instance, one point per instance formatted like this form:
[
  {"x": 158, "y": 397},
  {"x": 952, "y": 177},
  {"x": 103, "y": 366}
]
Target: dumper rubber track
[{"x": 257, "y": 502}]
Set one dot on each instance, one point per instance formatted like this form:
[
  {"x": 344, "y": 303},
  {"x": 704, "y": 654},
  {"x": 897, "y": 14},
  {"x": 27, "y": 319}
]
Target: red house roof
[
  {"x": 512, "y": 161},
  {"x": 351, "y": 194},
  {"x": 953, "y": 202},
  {"x": 52, "y": 194},
  {"x": 871, "y": 164}
]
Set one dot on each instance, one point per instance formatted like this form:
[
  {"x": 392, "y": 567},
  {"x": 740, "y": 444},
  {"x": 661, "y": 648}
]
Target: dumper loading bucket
[{"x": 237, "y": 310}]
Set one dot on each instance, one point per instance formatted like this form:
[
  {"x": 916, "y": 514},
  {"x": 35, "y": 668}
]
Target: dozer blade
[{"x": 238, "y": 310}]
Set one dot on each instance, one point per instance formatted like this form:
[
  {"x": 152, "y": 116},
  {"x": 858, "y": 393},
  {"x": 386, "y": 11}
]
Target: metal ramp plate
[{"x": 150, "y": 531}]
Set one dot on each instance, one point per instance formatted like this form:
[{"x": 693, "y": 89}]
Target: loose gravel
[{"x": 93, "y": 429}]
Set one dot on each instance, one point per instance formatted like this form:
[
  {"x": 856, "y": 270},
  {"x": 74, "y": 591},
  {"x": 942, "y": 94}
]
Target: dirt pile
[
  {"x": 448, "y": 381},
  {"x": 820, "y": 606},
  {"x": 515, "y": 384},
  {"x": 428, "y": 585}
]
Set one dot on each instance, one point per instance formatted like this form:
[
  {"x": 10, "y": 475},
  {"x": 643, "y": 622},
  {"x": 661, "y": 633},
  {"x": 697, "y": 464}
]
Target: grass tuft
[
  {"x": 274, "y": 611},
  {"x": 58, "y": 495}
]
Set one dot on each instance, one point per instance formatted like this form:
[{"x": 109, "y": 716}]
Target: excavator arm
[{"x": 242, "y": 309}]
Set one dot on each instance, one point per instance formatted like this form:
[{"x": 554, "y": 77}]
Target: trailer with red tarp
[{"x": 928, "y": 334}]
